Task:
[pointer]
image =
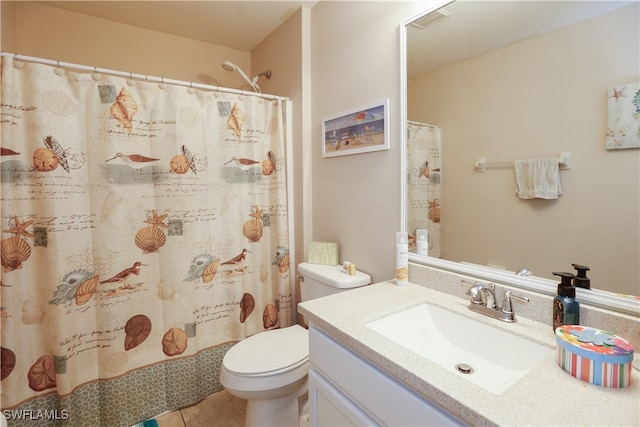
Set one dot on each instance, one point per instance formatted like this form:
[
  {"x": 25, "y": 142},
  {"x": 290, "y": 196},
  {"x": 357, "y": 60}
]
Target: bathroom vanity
[{"x": 359, "y": 376}]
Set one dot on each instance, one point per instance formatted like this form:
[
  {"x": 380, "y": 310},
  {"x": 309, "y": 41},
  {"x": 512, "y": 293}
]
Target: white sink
[{"x": 497, "y": 358}]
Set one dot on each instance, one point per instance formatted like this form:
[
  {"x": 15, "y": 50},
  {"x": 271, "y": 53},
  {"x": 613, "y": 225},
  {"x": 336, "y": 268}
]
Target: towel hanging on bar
[{"x": 538, "y": 178}]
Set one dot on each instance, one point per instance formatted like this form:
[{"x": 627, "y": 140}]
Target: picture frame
[
  {"x": 359, "y": 130},
  {"x": 623, "y": 116}
]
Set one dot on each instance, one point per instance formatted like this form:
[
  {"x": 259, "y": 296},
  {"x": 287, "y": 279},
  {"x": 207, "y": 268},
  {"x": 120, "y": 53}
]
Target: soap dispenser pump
[
  {"x": 581, "y": 280},
  {"x": 566, "y": 309}
]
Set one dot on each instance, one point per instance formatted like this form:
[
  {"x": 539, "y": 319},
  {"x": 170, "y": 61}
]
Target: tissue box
[
  {"x": 323, "y": 253},
  {"x": 595, "y": 356}
]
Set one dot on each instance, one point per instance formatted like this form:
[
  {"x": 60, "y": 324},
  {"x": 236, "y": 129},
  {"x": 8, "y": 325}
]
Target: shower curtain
[
  {"x": 144, "y": 231},
  {"x": 423, "y": 182}
]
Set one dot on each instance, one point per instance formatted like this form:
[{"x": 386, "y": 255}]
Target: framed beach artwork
[
  {"x": 623, "y": 117},
  {"x": 359, "y": 130}
]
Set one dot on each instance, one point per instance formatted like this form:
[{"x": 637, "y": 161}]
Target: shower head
[{"x": 230, "y": 66}]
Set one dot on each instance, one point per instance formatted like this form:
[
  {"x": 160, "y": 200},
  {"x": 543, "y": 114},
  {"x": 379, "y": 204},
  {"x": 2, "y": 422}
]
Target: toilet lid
[{"x": 268, "y": 351}]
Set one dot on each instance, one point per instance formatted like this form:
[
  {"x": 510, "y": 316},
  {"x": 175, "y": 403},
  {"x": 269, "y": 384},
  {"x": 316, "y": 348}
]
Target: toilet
[{"x": 270, "y": 368}]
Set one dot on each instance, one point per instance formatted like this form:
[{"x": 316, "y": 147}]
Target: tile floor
[{"x": 219, "y": 410}]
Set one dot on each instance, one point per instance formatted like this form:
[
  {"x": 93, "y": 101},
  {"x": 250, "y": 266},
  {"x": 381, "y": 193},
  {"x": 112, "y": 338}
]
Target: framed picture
[
  {"x": 360, "y": 130},
  {"x": 623, "y": 117}
]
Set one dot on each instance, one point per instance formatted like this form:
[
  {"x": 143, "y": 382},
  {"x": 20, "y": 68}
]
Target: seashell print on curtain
[
  {"x": 144, "y": 231},
  {"x": 423, "y": 183}
]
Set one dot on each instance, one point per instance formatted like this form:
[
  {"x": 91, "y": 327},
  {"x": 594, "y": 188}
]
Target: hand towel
[{"x": 538, "y": 178}]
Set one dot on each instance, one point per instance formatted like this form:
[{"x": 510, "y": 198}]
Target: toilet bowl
[{"x": 270, "y": 368}]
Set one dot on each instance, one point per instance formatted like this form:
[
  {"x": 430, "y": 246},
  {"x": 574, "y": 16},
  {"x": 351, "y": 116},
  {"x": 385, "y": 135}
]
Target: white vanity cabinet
[{"x": 347, "y": 390}]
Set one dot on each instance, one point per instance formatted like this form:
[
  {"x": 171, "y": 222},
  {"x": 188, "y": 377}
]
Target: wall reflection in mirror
[{"x": 508, "y": 80}]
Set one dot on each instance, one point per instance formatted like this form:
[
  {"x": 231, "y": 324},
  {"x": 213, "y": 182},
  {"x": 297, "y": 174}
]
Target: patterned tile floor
[{"x": 219, "y": 410}]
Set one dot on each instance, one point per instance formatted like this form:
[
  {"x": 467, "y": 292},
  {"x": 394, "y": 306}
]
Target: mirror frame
[{"x": 602, "y": 299}]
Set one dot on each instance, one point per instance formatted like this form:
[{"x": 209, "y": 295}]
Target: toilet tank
[{"x": 319, "y": 280}]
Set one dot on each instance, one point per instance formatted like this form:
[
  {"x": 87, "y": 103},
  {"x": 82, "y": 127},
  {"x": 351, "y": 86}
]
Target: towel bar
[{"x": 564, "y": 160}]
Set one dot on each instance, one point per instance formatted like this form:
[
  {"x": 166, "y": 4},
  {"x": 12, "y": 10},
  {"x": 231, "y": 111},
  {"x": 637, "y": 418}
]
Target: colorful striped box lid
[{"x": 594, "y": 356}]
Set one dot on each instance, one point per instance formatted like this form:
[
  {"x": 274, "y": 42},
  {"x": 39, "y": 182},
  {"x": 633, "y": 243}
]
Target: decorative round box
[{"x": 594, "y": 356}]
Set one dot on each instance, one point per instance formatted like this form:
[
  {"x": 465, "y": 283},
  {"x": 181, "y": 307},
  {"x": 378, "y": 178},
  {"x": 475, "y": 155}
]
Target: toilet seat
[{"x": 269, "y": 353}]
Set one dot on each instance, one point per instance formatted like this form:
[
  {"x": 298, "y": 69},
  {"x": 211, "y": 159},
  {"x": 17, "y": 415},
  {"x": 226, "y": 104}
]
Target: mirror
[{"x": 507, "y": 80}]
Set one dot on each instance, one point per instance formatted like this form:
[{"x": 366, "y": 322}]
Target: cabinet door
[{"x": 329, "y": 407}]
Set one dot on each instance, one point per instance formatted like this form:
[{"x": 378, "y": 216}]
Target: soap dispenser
[
  {"x": 566, "y": 309},
  {"x": 581, "y": 280}
]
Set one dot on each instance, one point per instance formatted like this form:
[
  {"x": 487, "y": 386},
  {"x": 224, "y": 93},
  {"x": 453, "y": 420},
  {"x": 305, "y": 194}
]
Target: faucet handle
[
  {"x": 490, "y": 296},
  {"x": 507, "y": 304}
]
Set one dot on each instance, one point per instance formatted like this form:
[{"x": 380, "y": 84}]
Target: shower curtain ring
[{"x": 59, "y": 71}]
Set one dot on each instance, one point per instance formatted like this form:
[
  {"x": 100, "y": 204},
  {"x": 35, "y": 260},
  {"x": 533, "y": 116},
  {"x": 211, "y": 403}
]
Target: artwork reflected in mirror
[{"x": 542, "y": 92}]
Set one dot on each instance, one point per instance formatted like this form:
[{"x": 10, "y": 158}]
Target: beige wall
[
  {"x": 8, "y": 27},
  {"x": 512, "y": 104},
  {"x": 283, "y": 52},
  {"x": 355, "y": 61}
]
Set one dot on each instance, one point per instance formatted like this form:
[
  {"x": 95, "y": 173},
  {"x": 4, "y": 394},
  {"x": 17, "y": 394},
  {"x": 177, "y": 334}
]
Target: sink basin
[{"x": 496, "y": 358}]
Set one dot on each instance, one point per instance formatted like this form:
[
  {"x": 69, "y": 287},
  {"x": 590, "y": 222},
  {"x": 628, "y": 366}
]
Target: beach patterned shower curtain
[
  {"x": 144, "y": 231},
  {"x": 423, "y": 182}
]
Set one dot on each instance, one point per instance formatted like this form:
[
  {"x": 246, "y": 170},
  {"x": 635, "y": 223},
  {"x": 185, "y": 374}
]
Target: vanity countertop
[{"x": 546, "y": 396}]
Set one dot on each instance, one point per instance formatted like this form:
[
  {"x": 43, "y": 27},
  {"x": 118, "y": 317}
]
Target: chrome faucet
[
  {"x": 483, "y": 300},
  {"x": 482, "y": 294}
]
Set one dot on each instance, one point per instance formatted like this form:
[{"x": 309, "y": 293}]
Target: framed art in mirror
[
  {"x": 623, "y": 116},
  {"x": 359, "y": 130}
]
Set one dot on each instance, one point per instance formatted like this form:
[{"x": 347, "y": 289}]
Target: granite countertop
[{"x": 545, "y": 396}]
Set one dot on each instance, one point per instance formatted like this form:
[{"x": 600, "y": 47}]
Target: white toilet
[{"x": 270, "y": 369}]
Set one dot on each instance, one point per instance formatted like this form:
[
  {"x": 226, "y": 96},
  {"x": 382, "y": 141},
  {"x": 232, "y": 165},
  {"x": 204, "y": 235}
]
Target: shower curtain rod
[
  {"x": 139, "y": 76},
  {"x": 420, "y": 124}
]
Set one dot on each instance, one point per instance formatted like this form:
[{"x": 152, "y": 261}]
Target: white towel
[{"x": 538, "y": 178}]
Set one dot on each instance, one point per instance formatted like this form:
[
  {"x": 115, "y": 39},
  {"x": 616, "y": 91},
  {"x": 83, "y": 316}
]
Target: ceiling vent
[{"x": 431, "y": 18}]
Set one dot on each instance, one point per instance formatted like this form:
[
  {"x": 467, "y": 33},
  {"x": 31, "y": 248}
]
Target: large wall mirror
[{"x": 509, "y": 80}]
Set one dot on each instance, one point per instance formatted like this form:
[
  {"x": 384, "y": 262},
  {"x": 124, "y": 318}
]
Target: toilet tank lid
[{"x": 333, "y": 275}]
